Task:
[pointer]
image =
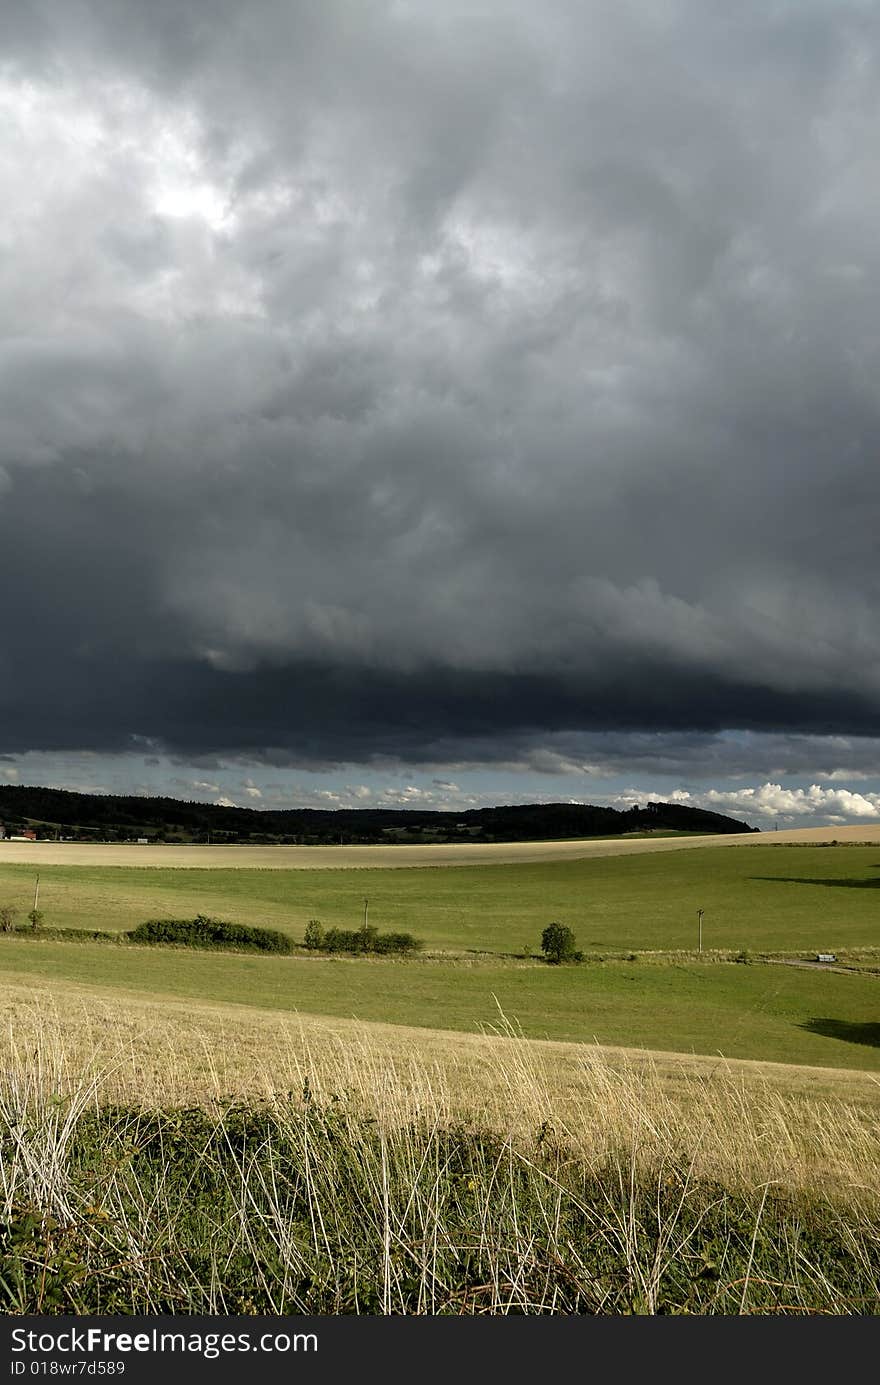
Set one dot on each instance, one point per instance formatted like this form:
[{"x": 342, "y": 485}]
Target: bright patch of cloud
[
  {"x": 180, "y": 187},
  {"x": 772, "y": 800},
  {"x": 766, "y": 800}
]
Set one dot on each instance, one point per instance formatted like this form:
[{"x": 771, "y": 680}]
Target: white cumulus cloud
[{"x": 772, "y": 801}]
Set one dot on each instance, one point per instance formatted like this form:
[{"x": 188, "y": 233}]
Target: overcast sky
[{"x": 442, "y": 403}]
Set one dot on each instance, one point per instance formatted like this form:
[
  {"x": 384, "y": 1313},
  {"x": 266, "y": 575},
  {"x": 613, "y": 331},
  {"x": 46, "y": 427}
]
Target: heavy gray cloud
[{"x": 433, "y": 382}]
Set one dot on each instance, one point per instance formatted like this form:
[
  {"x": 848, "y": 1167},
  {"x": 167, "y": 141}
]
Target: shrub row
[
  {"x": 207, "y": 932},
  {"x": 359, "y": 940}
]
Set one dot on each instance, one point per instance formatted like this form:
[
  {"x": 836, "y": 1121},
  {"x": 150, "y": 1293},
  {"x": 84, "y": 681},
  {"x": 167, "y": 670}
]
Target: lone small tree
[{"x": 558, "y": 943}]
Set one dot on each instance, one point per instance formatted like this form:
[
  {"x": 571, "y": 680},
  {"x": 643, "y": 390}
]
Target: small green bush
[
  {"x": 314, "y": 938},
  {"x": 397, "y": 942},
  {"x": 207, "y": 932},
  {"x": 343, "y": 940}
]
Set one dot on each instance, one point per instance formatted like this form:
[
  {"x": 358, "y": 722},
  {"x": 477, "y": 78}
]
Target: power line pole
[
  {"x": 36, "y": 893},
  {"x": 700, "y": 925},
  {"x": 366, "y": 907}
]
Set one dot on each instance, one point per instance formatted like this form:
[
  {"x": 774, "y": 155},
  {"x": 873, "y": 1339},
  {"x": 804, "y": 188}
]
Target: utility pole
[
  {"x": 700, "y": 924},
  {"x": 366, "y": 907},
  {"x": 34, "y": 914}
]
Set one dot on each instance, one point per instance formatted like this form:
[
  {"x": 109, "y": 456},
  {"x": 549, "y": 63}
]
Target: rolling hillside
[{"x": 58, "y": 812}]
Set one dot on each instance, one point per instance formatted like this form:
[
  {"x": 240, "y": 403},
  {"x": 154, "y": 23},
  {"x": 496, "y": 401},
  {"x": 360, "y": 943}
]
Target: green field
[
  {"x": 765, "y": 898},
  {"x": 760, "y": 1011},
  {"x": 480, "y": 918},
  {"x": 669, "y": 1170}
]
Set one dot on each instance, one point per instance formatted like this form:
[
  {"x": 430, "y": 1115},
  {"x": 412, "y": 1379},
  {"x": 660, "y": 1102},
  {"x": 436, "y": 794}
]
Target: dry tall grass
[
  {"x": 368, "y": 1170},
  {"x": 741, "y": 1123}
]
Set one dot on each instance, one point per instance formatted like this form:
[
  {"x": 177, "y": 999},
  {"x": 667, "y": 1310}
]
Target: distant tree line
[{"x": 120, "y": 817}]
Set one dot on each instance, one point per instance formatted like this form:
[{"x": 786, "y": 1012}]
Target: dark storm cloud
[
  {"x": 395, "y": 380},
  {"x": 314, "y": 717}
]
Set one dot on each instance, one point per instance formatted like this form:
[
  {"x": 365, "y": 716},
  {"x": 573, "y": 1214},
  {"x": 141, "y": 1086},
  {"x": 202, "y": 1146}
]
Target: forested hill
[{"x": 59, "y": 813}]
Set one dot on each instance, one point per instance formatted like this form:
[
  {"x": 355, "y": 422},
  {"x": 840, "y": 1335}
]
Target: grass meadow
[
  {"x": 764, "y": 898},
  {"x": 469, "y": 1131},
  {"x": 477, "y": 922},
  {"x": 784, "y": 1014},
  {"x": 361, "y": 1169}
]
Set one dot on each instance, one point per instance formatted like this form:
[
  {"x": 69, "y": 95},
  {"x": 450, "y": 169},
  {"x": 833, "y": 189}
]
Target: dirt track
[
  {"x": 351, "y": 857},
  {"x": 820, "y": 966}
]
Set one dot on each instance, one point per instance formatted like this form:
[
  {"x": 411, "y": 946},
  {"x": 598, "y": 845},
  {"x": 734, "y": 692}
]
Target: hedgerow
[
  {"x": 207, "y": 932},
  {"x": 360, "y": 940}
]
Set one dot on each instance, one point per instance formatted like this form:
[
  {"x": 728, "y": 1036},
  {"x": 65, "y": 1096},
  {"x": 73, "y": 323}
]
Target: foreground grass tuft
[
  {"x": 318, "y": 1210},
  {"x": 374, "y": 1196}
]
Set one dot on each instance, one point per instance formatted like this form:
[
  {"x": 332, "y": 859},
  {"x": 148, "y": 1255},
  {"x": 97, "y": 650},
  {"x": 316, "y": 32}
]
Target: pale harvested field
[
  {"x": 388, "y": 857},
  {"x": 734, "y": 1120}
]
